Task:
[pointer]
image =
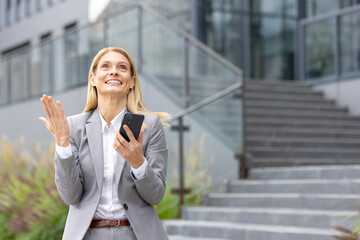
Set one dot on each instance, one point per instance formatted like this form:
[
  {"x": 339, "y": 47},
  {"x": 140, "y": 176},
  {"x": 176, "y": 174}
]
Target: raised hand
[{"x": 56, "y": 121}]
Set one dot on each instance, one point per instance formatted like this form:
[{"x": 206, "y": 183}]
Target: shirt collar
[{"x": 116, "y": 122}]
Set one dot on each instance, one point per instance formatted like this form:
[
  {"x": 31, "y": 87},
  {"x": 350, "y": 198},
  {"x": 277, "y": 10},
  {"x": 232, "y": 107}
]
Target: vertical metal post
[
  {"x": 106, "y": 31},
  {"x": 301, "y": 51},
  {"x": 181, "y": 165},
  {"x": 243, "y": 172},
  {"x": 8, "y": 78},
  {"x": 247, "y": 38},
  {"x": 336, "y": 32},
  {"x": 186, "y": 90},
  {"x": 139, "y": 39}
]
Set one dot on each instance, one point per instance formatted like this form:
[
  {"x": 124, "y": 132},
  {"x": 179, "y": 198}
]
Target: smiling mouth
[{"x": 112, "y": 82}]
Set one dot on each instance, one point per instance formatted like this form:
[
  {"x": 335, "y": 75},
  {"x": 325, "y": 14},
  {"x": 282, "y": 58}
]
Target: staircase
[
  {"x": 288, "y": 125},
  {"x": 281, "y": 203}
]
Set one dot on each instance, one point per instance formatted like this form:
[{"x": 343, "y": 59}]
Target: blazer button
[{"x": 125, "y": 206}]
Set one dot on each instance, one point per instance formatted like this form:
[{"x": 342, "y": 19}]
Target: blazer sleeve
[
  {"x": 152, "y": 187},
  {"x": 68, "y": 176}
]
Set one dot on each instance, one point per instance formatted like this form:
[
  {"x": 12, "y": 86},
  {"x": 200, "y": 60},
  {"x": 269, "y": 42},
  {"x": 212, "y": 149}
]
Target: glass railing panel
[
  {"x": 122, "y": 31},
  {"x": 71, "y": 59},
  {"x": 18, "y": 74},
  {"x": 60, "y": 81},
  {"x": 4, "y": 82},
  {"x": 84, "y": 54},
  {"x": 350, "y": 44},
  {"x": 207, "y": 75},
  {"x": 214, "y": 134},
  {"x": 163, "y": 56},
  {"x": 96, "y": 37},
  {"x": 42, "y": 68},
  {"x": 319, "y": 50}
]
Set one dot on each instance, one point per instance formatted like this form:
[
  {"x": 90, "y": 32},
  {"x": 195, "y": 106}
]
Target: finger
[
  {"x": 119, "y": 147},
  {"x": 129, "y": 133},
  {"x": 47, "y": 102},
  {"x": 45, "y": 106},
  {"x": 44, "y": 121},
  {"x": 140, "y": 138},
  {"x": 61, "y": 109},
  {"x": 53, "y": 108},
  {"x": 122, "y": 140}
]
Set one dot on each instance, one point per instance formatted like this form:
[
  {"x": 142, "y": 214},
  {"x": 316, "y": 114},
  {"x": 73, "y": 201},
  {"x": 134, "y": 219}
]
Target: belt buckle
[{"x": 118, "y": 223}]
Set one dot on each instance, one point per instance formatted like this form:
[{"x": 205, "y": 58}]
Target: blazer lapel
[
  {"x": 94, "y": 135},
  {"x": 120, "y": 162}
]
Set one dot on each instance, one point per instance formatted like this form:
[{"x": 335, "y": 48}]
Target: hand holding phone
[{"x": 134, "y": 122}]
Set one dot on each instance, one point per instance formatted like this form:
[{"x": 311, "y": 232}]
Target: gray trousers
[{"x": 110, "y": 233}]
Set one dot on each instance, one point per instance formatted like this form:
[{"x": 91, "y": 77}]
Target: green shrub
[{"x": 30, "y": 206}]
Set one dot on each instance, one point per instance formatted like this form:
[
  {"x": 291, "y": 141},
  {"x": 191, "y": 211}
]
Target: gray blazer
[{"x": 79, "y": 178}]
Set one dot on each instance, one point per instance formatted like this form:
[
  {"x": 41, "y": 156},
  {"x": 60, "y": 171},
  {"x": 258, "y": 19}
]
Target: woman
[{"x": 110, "y": 184}]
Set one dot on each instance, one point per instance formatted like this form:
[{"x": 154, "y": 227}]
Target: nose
[{"x": 114, "y": 71}]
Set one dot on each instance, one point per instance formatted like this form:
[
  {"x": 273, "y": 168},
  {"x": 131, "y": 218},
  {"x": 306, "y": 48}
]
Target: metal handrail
[{"x": 207, "y": 100}]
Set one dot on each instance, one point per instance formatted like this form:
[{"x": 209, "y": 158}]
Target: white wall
[
  {"x": 49, "y": 19},
  {"x": 346, "y": 93}
]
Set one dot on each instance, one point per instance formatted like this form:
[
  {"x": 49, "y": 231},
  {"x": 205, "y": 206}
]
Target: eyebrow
[{"x": 121, "y": 62}]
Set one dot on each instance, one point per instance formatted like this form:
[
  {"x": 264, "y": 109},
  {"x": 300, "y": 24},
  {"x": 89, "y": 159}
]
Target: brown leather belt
[{"x": 109, "y": 223}]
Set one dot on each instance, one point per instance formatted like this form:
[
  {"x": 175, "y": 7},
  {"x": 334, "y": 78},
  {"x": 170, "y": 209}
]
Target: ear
[
  {"x": 92, "y": 79},
  {"x": 132, "y": 82}
]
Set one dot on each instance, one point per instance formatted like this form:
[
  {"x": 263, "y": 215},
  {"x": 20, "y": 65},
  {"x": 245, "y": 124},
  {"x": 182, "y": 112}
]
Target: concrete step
[
  {"x": 286, "y": 97},
  {"x": 285, "y": 105},
  {"x": 298, "y": 114},
  {"x": 348, "y": 202},
  {"x": 271, "y": 216},
  {"x": 179, "y": 237},
  {"x": 326, "y": 186},
  {"x": 304, "y": 152},
  {"x": 318, "y": 142},
  {"x": 297, "y": 161},
  {"x": 282, "y": 90},
  {"x": 306, "y": 172},
  {"x": 238, "y": 231},
  {"x": 273, "y": 83},
  {"x": 303, "y": 132},
  {"x": 302, "y": 123}
]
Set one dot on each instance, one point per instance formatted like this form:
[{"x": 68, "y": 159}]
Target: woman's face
[{"x": 113, "y": 77}]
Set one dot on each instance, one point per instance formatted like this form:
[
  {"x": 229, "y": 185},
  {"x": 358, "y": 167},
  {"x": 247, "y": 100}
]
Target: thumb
[
  {"x": 140, "y": 138},
  {"x": 44, "y": 121}
]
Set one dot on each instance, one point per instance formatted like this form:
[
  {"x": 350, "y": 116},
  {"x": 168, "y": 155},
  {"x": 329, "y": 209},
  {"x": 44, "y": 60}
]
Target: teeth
[{"x": 113, "y": 81}]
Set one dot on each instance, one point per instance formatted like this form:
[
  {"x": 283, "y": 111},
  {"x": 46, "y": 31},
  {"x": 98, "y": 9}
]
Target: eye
[
  {"x": 105, "y": 65},
  {"x": 122, "y": 67}
]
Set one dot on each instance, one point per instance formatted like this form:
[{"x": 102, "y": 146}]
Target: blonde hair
[{"x": 135, "y": 102}]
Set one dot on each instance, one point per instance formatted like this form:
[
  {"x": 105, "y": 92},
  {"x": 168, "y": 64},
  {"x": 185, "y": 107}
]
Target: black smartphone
[{"x": 134, "y": 122}]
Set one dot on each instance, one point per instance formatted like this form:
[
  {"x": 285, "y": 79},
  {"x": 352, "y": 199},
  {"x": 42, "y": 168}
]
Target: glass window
[
  {"x": 1, "y": 13},
  {"x": 28, "y": 7},
  {"x": 350, "y": 44},
  {"x": 38, "y": 4},
  {"x": 18, "y": 10},
  {"x": 8, "y": 12},
  {"x": 287, "y": 7},
  {"x": 46, "y": 65},
  {"x": 319, "y": 50},
  {"x": 318, "y": 7},
  {"x": 272, "y": 29},
  {"x": 70, "y": 56}
]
